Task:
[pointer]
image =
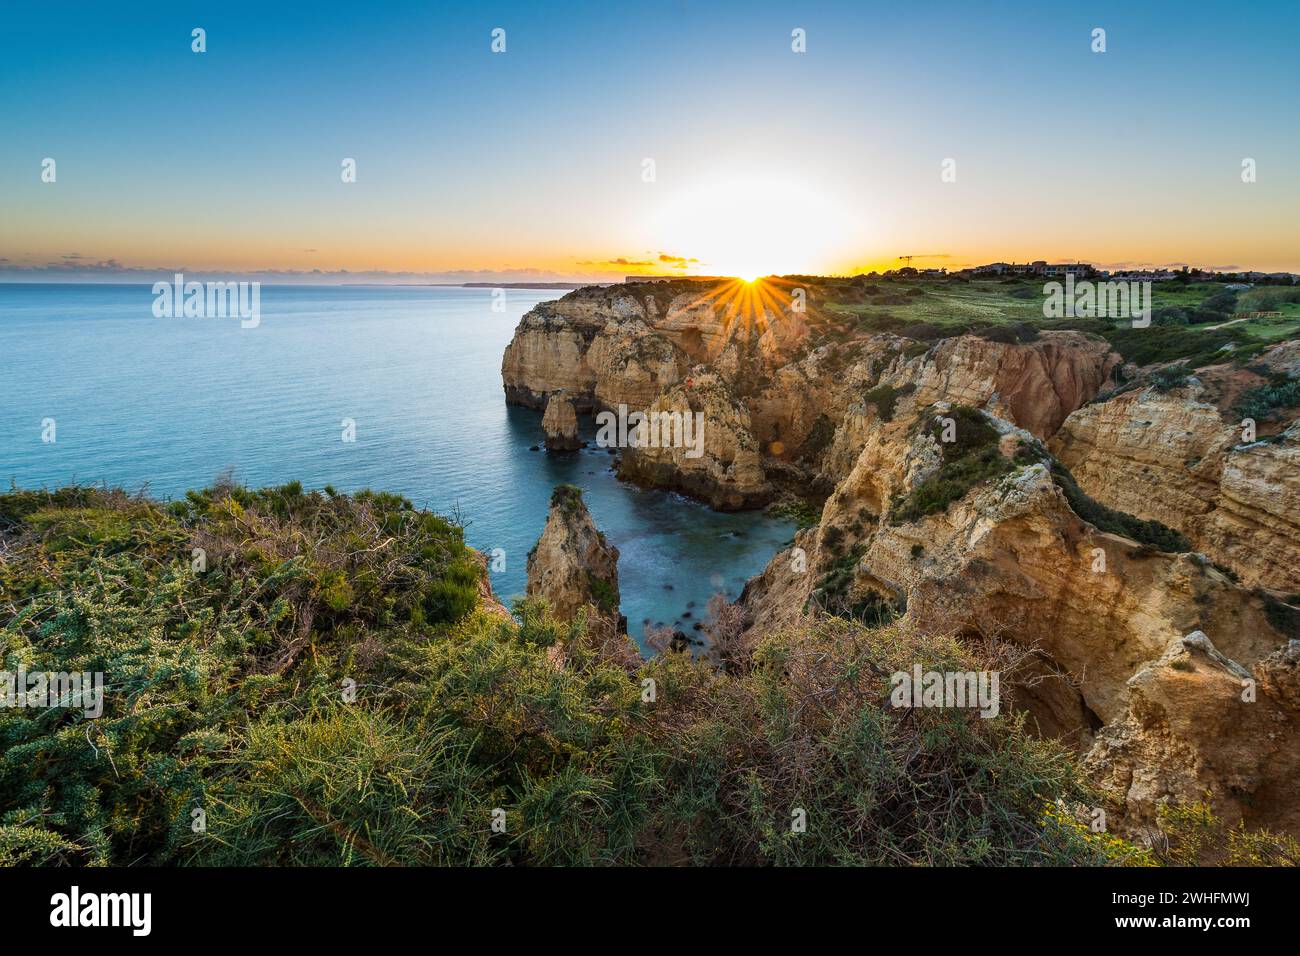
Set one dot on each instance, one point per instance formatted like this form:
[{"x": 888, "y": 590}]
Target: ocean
[{"x": 168, "y": 404}]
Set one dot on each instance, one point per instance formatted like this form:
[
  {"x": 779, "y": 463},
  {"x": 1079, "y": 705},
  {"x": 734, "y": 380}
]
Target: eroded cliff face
[
  {"x": 625, "y": 344},
  {"x": 1137, "y": 652},
  {"x": 573, "y": 565},
  {"x": 1197, "y": 722},
  {"x": 547, "y": 354},
  {"x": 1181, "y": 458},
  {"x": 1010, "y": 560},
  {"x": 801, "y": 407},
  {"x": 1035, "y": 385},
  {"x": 697, "y": 439}
]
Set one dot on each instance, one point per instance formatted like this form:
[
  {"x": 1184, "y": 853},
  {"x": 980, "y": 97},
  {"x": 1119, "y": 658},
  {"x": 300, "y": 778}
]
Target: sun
[{"x": 754, "y": 227}]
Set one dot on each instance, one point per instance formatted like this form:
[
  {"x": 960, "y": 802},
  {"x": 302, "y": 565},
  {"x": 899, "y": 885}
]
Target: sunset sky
[{"x": 526, "y": 164}]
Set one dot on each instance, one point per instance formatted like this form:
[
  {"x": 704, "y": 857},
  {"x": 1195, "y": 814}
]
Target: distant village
[
  {"x": 1047, "y": 270},
  {"x": 1086, "y": 270}
]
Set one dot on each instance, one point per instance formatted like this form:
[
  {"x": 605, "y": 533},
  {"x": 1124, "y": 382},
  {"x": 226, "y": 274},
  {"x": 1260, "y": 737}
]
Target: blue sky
[{"x": 531, "y": 160}]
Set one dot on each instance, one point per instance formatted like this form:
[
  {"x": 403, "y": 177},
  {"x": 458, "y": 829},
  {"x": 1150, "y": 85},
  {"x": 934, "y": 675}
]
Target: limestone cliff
[
  {"x": 572, "y": 564},
  {"x": 1179, "y": 457},
  {"x": 1112, "y": 528},
  {"x": 797, "y": 399},
  {"x": 696, "y": 439},
  {"x": 624, "y": 344},
  {"x": 1197, "y": 722},
  {"x": 1035, "y": 385},
  {"x": 1006, "y": 557}
]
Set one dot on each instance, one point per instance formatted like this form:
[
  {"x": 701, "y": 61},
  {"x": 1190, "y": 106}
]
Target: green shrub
[
  {"x": 1197, "y": 347},
  {"x": 604, "y": 593},
  {"x": 885, "y": 398},
  {"x": 1263, "y": 403},
  {"x": 567, "y": 497},
  {"x": 1224, "y": 302},
  {"x": 972, "y": 458},
  {"x": 1170, "y": 377},
  {"x": 1146, "y": 532},
  {"x": 1284, "y": 618},
  {"x": 453, "y": 595},
  {"x": 1011, "y": 333},
  {"x": 313, "y": 730}
]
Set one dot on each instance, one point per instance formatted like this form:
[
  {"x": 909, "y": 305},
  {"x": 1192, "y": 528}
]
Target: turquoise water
[{"x": 168, "y": 404}]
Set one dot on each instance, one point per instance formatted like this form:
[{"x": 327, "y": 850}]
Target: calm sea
[{"x": 168, "y": 404}]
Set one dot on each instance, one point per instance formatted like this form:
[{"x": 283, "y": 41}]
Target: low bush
[
  {"x": 885, "y": 398},
  {"x": 1265, "y": 402},
  {"x": 1198, "y": 347},
  {"x": 1151, "y": 533},
  {"x": 972, "y": 458}
]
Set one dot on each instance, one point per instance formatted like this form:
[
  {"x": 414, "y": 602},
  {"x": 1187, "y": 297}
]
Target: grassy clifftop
[{"x": 309, "y": 679}]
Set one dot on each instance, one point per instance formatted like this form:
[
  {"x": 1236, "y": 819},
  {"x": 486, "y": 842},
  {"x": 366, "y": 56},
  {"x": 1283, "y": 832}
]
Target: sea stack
[
  {"x": 560, "y": 424},
  {"x": 572, "y": 564}
]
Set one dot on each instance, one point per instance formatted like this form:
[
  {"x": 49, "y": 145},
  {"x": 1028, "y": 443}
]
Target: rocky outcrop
[
  {"x": 560, "y": 423},
  {"x": 488, "y": 601},
  {"x": 625, "y": 344},
  {"x": 1172, "y": 456},
  {"x": 1197, "y": 723},
  {"x": 1035, "y": 385},
  {"x": 1008, "y": 560},
  {"x": 1133, "y": 644},
  {"x": 548, "y": 353},
  {"x": 573, "y": 565},
  {"x": 696, "y": 438},
  {"x": 800, "y": 408}
]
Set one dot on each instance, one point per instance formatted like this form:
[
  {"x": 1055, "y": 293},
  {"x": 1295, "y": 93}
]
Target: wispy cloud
[
  {"x": 605, "y": 263},
  {"x": 660, "y": 260}
]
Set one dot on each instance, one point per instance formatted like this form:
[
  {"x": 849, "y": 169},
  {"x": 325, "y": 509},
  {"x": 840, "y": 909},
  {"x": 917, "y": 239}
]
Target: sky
[{"x": 532, "y": 163}]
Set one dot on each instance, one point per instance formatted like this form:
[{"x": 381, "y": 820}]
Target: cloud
[
  {"x": 660, "y": 260},
  {"x": 76, "y": 263},
  {"x": 677, "y": 262},
  {"x": 616, "y": 262}
]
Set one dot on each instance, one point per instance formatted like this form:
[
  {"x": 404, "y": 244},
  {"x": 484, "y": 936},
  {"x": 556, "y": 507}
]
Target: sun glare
[{"x": 753, "y": 228}]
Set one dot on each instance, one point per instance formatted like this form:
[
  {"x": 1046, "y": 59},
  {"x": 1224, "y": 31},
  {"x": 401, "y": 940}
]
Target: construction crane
[{"x": 922, "y": 255}]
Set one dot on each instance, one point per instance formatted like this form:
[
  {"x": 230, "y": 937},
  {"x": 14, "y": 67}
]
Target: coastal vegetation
[
  {"x": 332, "y": 683},
  {"x": 974, "y": 455},
  {"x": 1265, "y": 402},
  {"x": 1151, "y": 533},
  {"x": 971, "y": 456}
]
